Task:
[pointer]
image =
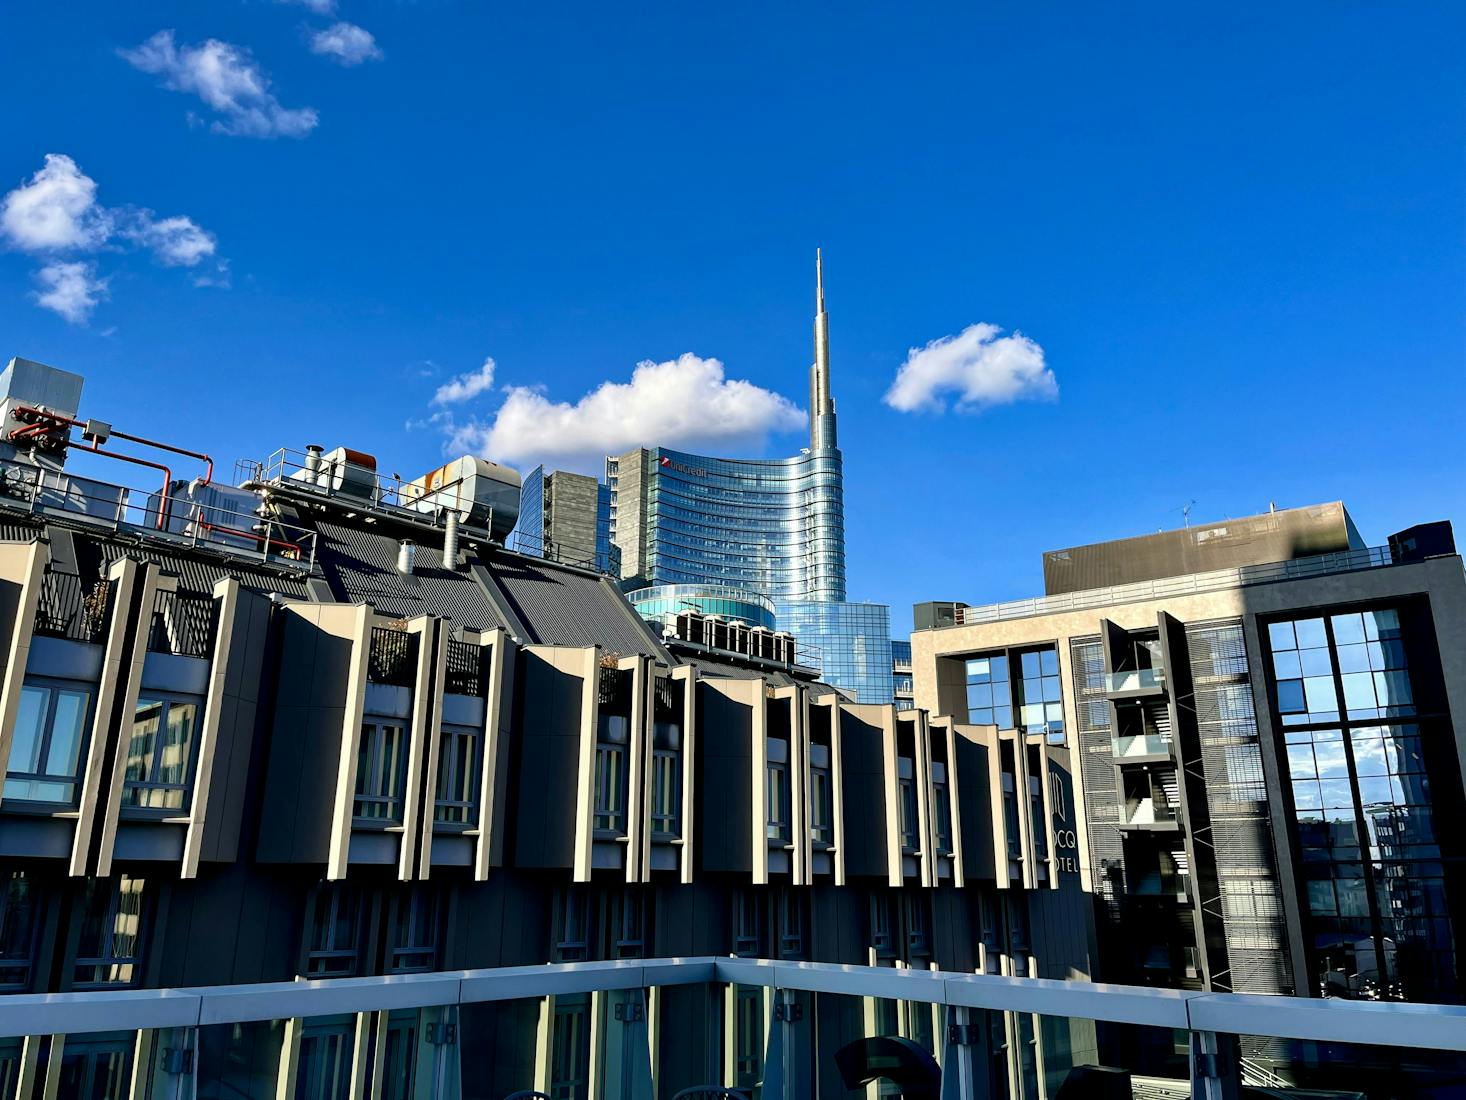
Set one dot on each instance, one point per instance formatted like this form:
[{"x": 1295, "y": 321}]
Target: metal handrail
[
  {"x": 37, "y": 489},
  {"x": 1422, "y": 1026},
  {"x": 1317, "y": 565}
]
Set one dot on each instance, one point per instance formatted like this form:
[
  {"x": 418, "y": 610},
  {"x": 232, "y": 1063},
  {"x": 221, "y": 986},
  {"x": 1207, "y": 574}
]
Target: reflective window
[
  {"x": 46, "y": 751},
  {"x": 416, "y": 930},
  {"x": 1379, "y": 927},
  {"x": 1040, "y": 700},
  {"x": 989, "y": 699},
  {"x": 610, "y": 791},
  {"x": 109, "y": 950},
  {"x": 159, "y": 773}
]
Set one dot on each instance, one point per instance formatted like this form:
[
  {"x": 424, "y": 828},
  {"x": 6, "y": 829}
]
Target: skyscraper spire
[{"x": 821, "y": 404}]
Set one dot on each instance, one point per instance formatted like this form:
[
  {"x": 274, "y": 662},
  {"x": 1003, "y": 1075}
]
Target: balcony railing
[
  {"x": 465, "y": 669},
  {"x": 1416, "y": 1049},
  {"x": 1135, "y": 681},
  {"x": 72, "y": 609},
  {"x": 1135, "y": 746},
  {"x": 1318, "y": 565},
  {"x": 183, "y": 624},
  {"x": 393, "y": 657}
]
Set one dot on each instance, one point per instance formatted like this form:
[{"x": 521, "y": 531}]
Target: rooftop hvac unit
[
  {"x": 342, "y": 472},
  {"x": 484, "y": 494}
]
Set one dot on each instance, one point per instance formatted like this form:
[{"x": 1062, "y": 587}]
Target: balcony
[
  {"x": 1135, "y": 683},
  {"x": 1151, "y": 745},
  {"x": 1152, "y": 813},
  {"x": 1400, "y": 1050}
]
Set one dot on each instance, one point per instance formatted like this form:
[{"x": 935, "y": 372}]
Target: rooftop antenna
[{"x": 1186, "y": 513}]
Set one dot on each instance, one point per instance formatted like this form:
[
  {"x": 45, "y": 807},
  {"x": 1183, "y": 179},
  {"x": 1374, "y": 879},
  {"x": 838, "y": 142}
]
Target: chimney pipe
[
  {"x": 450, "y": 541},
  {"x": 313, "y": 452},
  {"x": 406, "y": 556}
]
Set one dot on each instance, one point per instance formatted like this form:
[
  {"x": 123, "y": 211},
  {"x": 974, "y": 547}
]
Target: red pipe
[
  {"x": 167, "y": 475},
  {"x": 59, "y": 419}
]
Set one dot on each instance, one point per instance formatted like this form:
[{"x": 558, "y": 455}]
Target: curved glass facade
[
  {"x": 772, "y": 526},
  {"x": 706, "y": 599}
]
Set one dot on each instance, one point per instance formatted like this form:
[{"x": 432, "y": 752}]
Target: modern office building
[
  {"x": 1270, "y": 750},
  {"x": 320, "y": 725},
  {"x": 774, "y": 527},
  {"x": 566, "y": 517}
]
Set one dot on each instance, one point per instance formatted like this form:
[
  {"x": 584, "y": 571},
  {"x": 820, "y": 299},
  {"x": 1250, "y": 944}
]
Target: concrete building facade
[{"x": 1270, "y": 759}]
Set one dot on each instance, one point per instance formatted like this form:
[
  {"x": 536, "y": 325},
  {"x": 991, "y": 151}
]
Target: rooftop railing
[
  {"x": 1318, "y": 565},
  {"x": 73, "y": 609},
  {"x": 148, "y": 511},
  {"x": 392, "y": 658},
  {"x": 1378, "y": 1051}
]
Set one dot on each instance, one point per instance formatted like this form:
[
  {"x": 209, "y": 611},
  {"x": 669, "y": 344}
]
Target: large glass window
[
  {"x": 571, "y": 925},
  {"x": 381, "y": 771},
  {"x": 456, "y": 796},
  {"x": 610, "y": 807},
  {"x": 46, "y": 751},
  {"x": 1374, "y": 885},
  {"x": 1040, "y": 699},
  {"x": 942, "y": 797},
  {"x": 989, "y": 698},
  {"x": 908, "y": 816},
  {"x": 109, "y": 950},
  {"x": 159, "y": 773}
]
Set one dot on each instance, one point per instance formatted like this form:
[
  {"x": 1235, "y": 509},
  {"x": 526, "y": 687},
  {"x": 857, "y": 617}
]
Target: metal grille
[
  {"x": 183, "y": 624},
  {"x": 1241, "y": 831},
  {"x": 465, "y": 671},
  {"x": 1097, "y": 767},
  {"x": 393, "y": 658},
  {"x": 70, "y": 608}
]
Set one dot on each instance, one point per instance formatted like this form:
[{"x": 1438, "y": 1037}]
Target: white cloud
[
  {"x": 466, "y": 386},
  {"x": 320, "y": 7},
  {"x": 228, "y": 80},
  {"x": 56, "y": 214},
  {"x": 978, "y": 366},
  {"x": 686, "y": 402},
  {"x": 346, "y": 43},
  {"x": 176, "y": 241},
  {"x": 71, "y": 289},
  {"x": 57, "y": 209}
]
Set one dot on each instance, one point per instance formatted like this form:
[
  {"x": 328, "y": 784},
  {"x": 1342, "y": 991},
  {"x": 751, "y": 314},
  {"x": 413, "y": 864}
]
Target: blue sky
[{"x": 1232, "y": 238}]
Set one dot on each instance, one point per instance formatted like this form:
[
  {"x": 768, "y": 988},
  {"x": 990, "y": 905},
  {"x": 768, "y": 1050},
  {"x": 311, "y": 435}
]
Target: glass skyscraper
[{"x": 775, "y": 527}]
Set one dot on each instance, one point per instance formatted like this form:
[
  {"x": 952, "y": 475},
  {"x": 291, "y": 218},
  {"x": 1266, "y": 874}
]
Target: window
[
  {"x": 626, "y": 923},
  {"x": 610, "y": 811},
  {"x": 1040, "y": 699},
  {"x": 791, "y": 911},
  {"x": 416, "y": 931},
  {"x": 821, "y": 804},
  {"x": 776, "y": 790},
  {"x": 943, "y": 799},
  {"x": 747, "y": 924},
  {"x": 909, "y": 816},
  {"x": 915, "y": 906},
  {"x": 109, "y": 951},
  {"x": 882, "y": 927},
  {"x": 323, "y": 1069},
  {"x": 570, "y": 1048},
  {"x": 989, "y": 700},
  {"x": 571, "y": 925},
  {"x": 458, "y": 777},
  {"x": 666, "y": 793},
  {"x": 159, "y": 773},
  {"x": 381, "y": 772},
  {"x": 45, "y": 755},
  {"x": 748, "y": 1054},
  {"x": 334, "y": 932},
  {"x": 19, "y": 912}
]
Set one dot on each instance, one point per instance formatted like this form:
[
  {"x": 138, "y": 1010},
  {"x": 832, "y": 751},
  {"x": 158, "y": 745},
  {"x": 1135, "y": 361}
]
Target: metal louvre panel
[
  {"x": 1241, "y": 832},
  {"x": 1097, "y": 767},
  {"x": 197, "y": 574}
]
